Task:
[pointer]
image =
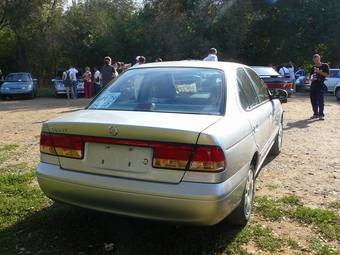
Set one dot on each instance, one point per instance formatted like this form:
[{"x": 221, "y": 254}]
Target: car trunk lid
[{"x": 121, "y": 143}]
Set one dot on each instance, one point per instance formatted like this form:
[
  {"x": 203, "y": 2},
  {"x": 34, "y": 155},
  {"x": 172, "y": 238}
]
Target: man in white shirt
[
  {"x": 291, "y": 71},
  {"x": 284, "y": 72},
  {"x": 212, "y": 56},
  {"x": 72, "y": 72},
  {"x": 97, "y": 78}
]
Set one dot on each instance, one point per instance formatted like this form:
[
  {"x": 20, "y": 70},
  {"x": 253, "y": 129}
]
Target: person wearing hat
[
  {"x": 212, "y": 55},
  {"x": 107, "y": 71},
  {"x": 318, "y": 75}
]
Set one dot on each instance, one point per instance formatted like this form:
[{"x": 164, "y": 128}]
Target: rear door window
[
  {"x": 259, "y": 87},
  {"x": 246, "y": 86}
]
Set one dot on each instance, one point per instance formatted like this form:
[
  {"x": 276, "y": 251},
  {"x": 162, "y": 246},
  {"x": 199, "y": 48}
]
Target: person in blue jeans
[
  {"x": 73, "y": 77},
  {"x": 318, "y": 75}
]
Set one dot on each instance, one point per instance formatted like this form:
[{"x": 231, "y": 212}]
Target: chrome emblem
[{"x": 113, "y": 131}]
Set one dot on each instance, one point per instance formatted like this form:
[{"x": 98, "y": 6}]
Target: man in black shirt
[
  {"x": 107, "y": 71},
  {"x": 318, "y": 74}
]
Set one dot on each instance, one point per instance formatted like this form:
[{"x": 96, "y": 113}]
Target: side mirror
[{"x": 280, "y": 94}]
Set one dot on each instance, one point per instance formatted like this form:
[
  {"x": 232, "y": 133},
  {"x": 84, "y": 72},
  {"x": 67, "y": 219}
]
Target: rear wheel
[
  {"x": 241, "y": 215},
  {"x": 277, "y": 146},
  {"x": 337, "y": 93}
]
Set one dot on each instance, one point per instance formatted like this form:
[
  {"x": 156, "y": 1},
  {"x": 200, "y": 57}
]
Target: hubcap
[{"x": 249, "y": 193}]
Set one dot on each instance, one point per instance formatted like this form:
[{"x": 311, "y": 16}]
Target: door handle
[{"x": 256, "y": 128}]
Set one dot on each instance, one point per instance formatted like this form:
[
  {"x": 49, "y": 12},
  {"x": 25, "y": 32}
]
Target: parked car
[
  {"x": 59, "y": 87},
  {"x": 337, "y": 91},
  {"x": 299, "y": 73},
  {"x": 173, "y": 141},
  {"x": 302, "y": 84},
  {"x": 332, "y": 80},
  {"x": 19, "y": 84},
  {"x": 274, "y": 80}
]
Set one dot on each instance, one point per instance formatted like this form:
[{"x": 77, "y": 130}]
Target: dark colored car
[
  {"x": 274, "y": 80},
  {"x": 59, "y": 87},
  {"x": 19, "y": 84}
]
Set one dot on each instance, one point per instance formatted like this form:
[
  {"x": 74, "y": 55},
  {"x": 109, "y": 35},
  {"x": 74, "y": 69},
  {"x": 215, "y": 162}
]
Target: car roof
[
  {"x": 262, "y": 67},
  {"x": 193, "y": 63},
  {"x": 19, "y": 73}
]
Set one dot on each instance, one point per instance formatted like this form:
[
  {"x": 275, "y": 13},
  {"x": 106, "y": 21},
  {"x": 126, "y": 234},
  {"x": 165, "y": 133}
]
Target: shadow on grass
[{"x": 60, "y": 229}]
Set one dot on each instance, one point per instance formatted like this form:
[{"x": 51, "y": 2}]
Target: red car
[{"x": 274, "y": 80}]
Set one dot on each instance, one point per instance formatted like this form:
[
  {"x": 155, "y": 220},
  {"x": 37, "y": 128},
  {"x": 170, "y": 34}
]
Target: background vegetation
[{"x": 42, "y": 35}]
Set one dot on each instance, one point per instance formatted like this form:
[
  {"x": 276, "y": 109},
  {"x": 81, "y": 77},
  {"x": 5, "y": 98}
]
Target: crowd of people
[{"x": 94, "y": 82}]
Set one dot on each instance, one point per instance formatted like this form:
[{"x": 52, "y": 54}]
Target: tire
[
  {"x": 241, "y": 215},
  {"x": 277, "y": 146},
  {"x": 32, "y": 95},
  {"x": 337, "y": 94}
]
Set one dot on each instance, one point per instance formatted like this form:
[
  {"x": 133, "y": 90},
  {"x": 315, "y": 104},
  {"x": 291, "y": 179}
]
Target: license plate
[{"x": 118, "y": 157}]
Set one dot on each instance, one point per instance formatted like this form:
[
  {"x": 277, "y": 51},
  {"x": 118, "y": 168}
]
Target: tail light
[
  {"x": 165, "y": 155},
  {"x": 61, "y": 145},
  {"x": 208, "y": 158},
  {"x": 171, "y": 156},
  {"x": 46, "y": 144},
  {"x": 199, "y": 158}
]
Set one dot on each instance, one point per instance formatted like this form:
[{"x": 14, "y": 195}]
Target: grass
[
  {"x": 325, "y": 220},
  {"x": 45, "y": 92},
  {"x": 321, "y": 248},
  {"x": 260, "y": 235},
  {"x": 334, "y": 205},
  {"x": 5, "y": 151}
]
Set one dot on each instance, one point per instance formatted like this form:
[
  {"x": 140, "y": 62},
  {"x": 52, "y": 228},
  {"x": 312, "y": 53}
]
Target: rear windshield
[
  {"x": 334, "y": 73},
  {"x": 178, "y": 90},
  {"x": 265, "y": 71},
  {"x": 17, "y": 77}
]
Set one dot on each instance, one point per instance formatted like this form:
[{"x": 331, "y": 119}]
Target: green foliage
[{"x": 252, "y": 32}]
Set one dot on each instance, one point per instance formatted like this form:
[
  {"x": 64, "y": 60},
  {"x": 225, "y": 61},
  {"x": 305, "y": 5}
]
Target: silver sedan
[{"x": 177, "y": 141}]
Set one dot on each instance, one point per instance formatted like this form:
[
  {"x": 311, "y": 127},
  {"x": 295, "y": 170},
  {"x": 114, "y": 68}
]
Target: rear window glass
[
  {"x": 265, "y": 71},
  {"x": 335, "y": 73},
  {"x": 179, "y": 90}
]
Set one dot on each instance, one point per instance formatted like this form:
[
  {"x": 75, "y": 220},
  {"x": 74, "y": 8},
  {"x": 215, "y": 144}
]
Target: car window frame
[
  {"x": 224, "y": 88},
  {"x": 250, "y": 108},
  {"x": 254, "y": 86}
]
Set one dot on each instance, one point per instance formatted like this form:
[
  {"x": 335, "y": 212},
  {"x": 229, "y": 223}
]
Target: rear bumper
[{"x": 186, "y": 202}]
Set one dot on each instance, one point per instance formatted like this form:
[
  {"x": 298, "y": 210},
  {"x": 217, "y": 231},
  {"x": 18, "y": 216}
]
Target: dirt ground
[{"x": 309, "y": 165}]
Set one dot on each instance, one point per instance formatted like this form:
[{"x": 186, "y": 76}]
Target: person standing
[
  {"x": 284, "y": 71},
  {"x": 212, "y": 56},
  {"x": 96, "y": 82},
  {"x": 72, "y": 72},
  {"x": 67, "y": 83},
  {"x": 318, "y": 74},
  {"x": 108, "y": 72},
  {"x": 87, "y": 76}
]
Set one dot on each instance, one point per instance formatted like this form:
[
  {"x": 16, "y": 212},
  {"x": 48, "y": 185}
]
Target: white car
[
  {"x": 177, "y": 141},
  {"x": 332, "y": 80},
  {"x": 337, "y": 91}
]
